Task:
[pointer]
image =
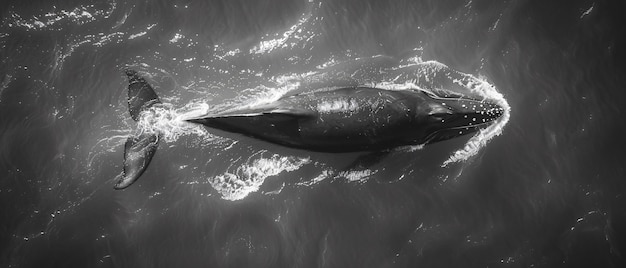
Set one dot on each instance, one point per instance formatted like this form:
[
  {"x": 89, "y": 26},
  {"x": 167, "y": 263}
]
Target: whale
[{"x": 330, "y": 120}]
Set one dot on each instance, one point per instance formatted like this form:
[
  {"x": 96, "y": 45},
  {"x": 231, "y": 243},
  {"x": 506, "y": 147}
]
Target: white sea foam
[
  {"x": 5, "y": 83},
  {"x": 350, "y": 175},
  {"x": 262, "y": 94},
  {"x": 357, "y": 175},
  {"x": 248, "y": 177},
  {"x": 140, "y": 34},
  {"x": 170, "y": 122},
  {"x": 176, "y": 37},
  {"x": 291, "y": 37},
  {"x": 79, "y": 15}
]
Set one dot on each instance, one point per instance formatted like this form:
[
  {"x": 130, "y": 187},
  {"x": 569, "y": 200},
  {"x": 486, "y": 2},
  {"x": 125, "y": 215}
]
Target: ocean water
[{"x": 543, "y": 187}]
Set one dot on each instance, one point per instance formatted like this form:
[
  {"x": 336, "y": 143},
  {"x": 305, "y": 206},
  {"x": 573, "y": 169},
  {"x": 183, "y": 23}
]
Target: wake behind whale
[{"x": 332, "y": 120}]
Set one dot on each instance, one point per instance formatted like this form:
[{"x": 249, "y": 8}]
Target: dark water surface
[{"x": 547, "y": 192}]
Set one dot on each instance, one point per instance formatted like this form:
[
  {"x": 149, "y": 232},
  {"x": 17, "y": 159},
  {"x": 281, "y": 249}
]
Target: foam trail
[
  {"x": 170, "y": 123},
  {"x": 247, "y": 178}
]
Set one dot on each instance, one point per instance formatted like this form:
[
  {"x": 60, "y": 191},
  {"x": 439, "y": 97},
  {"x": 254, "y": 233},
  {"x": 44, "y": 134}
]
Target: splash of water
[
  {"x": 247, "y": 178},
  {"x": 170, "y": 122}
]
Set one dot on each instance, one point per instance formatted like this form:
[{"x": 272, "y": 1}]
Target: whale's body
[
  {"x": 349, "y": 119},
  {"x": 344, "y": 120}
]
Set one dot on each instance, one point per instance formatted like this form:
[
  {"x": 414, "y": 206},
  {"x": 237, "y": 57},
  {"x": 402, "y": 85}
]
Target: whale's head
[{"x": 451, "y": 115}]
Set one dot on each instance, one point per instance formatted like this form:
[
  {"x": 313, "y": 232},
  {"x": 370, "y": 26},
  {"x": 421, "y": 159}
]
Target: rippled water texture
[{"x": 543, "y": 187}]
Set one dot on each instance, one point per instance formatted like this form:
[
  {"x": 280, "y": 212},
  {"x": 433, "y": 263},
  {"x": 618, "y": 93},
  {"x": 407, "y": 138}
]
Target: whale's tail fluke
[
  {"x": 141, "y": 96},
  {"x": 141, "y": 147}
]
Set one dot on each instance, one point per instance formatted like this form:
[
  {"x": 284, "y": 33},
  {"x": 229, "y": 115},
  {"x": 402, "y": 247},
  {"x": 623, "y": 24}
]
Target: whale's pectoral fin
[
  {"x": 368, "y": 160},
  {"x": 138, "y": 152}
]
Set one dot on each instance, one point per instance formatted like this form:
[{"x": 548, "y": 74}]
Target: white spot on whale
[{"x": 340, "y": 105}]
